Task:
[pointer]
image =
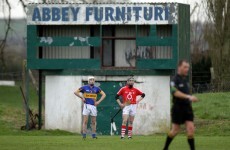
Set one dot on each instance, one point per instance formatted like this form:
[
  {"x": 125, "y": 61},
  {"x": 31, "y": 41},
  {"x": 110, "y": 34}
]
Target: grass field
[
  {"x": 109, "y": 143},
  {"x": 212, "y": 128}
]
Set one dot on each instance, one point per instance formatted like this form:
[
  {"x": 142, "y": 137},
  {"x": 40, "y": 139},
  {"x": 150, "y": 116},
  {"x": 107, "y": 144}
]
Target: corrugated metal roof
[{"x": 112, "y": 3}]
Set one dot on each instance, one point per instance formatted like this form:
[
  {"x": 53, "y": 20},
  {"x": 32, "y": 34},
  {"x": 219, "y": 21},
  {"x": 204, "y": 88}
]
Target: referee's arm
[{"x": 175, "y": 92}]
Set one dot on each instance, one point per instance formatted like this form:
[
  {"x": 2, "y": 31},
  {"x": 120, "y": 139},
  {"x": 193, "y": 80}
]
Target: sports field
[
  {"x": 212, "y": 128},
  {"x": 109, "y": 143}
]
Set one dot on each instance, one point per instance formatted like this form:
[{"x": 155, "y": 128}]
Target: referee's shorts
[{"x": 182, "y": 113}]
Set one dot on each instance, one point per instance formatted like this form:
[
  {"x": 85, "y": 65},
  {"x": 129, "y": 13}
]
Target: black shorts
[{"x": 182, "y": 113}]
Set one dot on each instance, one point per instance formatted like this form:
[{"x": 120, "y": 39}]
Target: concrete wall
[
  {"x": 153, "y": 113},
  {"x": 63, "y": 109}
]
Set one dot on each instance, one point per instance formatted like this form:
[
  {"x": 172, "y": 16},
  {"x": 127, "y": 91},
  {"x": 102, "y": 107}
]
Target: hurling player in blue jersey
[{"x": 89, "y": 98}]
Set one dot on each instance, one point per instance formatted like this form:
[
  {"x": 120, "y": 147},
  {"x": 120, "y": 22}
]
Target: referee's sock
[
  {"x": 191, "y": 143},
  {"x": 168, "y": 141}
]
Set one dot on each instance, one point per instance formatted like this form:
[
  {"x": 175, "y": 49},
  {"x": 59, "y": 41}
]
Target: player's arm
[
  {"x": 175, "y": 92},
  {"x": 103, "y": 95},
  {"x": 139, "y": 93},
  {"x": 118, "y": 101},
  {"x": 117, "y": 98},
  {"x": 141, "y": 98},
  {"x": 77, "y": 93}
]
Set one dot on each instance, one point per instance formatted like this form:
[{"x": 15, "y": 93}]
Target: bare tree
[
  {"x": 3, "y": 41},
  {"x": 196, "y": 30},
  {"x": 8, "y": 20},
  {"x": 217, "y": 34}
]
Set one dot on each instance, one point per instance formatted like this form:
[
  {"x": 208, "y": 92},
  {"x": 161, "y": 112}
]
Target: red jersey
[{"x": 129, "y": 94}]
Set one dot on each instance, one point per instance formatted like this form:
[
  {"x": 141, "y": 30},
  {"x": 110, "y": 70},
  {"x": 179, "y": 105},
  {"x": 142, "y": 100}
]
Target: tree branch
[{"x": 4, "y": 40}]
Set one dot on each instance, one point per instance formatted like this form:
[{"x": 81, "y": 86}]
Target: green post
[
  {"x": 27, "y": 98},
  {"x": 40, "y": 100}
]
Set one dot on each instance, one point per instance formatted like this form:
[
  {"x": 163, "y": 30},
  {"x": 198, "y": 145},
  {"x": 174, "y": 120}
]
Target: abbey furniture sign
[{"x": 102, "y": 14}]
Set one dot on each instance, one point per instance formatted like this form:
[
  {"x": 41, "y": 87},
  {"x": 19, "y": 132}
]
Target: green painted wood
[
  {"x": 27, "y": 98},
  {"x": 110, "y": 72},
  {"x": 108, "y": 108},
  {"x": 31, "y": 41},
  {"x": 154, "y": 41},
  {"x": 175, "y": 43},
  {"x": 63, "y": 64},
  {"x": 69, "y": 41},
  {"x": 153, "y": 30},
  {"x": 184, "y": 32},
  {"x": 156, "y": 64},
  {"x": 179, "y": 42},
  {"x": 101, "y": 31}
]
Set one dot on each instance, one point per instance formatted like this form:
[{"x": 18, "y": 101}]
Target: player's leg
[
  {"x": 125, "y": 116},
  {"x": 84, "y": 125},
  {"x": 130, "y": 126},
  {"x": 93, "y": 126},
  {"x": 173, "y": 132},
  {"x": 190, "y": 133},
  {"x": 131, "y": 119},
  {"x": 85, "y": 114},
  {"x": 123, "y": 126},
  {"x": 93, "y": 113}
]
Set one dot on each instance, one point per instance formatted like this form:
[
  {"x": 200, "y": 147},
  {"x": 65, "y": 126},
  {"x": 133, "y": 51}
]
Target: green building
[{"x": 68, "y": 42}]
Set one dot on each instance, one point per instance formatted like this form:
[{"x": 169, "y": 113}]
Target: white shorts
[
  {"x": 89, "y": 110},
  {"x": 130, "y": 110}
]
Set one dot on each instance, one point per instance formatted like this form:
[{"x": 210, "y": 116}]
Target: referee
[{"x": 182, "y": 112}]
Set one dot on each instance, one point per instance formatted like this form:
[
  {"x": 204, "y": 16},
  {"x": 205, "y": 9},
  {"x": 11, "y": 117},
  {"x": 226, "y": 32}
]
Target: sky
[{"x": 18, "y": 12}]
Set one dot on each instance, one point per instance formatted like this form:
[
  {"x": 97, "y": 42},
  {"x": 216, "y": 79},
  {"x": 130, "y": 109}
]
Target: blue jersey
[{"x": 90, "y": 93}]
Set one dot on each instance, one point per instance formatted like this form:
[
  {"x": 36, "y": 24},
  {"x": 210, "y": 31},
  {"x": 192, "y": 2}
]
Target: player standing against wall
[
  {"x": 89, "y": 99},
  {"x": 129, "y": 105},
  {"x": 182, "y": 112}
]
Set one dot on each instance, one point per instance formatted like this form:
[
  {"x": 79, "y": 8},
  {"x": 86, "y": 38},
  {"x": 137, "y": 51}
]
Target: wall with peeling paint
[
  {"x": 63, "y": 109},
  {"x": 153, "y": 113},
  {"x": 79, "y": 33}
]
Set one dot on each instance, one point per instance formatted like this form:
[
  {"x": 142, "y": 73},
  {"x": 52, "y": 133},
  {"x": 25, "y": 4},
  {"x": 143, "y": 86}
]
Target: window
[
  {"x": 143, "y": 30},
  {"x": 95, "y": 51},
  {"x": 118, "y": 45},
  {"x": 164, "y": 30},
  {"x": 154, "y": 52}
]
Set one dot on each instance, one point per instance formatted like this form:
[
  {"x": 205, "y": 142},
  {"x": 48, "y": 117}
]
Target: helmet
[
  {"x": 90, "y": 77},
  {"x": 131, "y": 78}
]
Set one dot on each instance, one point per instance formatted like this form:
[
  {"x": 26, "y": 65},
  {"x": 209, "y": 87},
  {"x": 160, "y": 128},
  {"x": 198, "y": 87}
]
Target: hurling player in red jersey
[{"x": 129, "y": 105}]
